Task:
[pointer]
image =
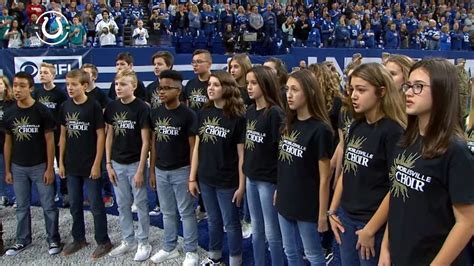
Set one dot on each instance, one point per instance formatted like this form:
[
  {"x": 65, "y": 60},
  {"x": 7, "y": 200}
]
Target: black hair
[
  {"x": 27, "y": 76},
  {"x": 171, "y": 74}
]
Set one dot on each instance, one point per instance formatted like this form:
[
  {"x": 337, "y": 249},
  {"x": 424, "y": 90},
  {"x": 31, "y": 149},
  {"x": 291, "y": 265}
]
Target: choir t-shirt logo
[
  {"x": 253, "y": 136},
  {"x": 22, "y": 129},
  {"x": 164, "y": 130},
  {"x": 211, "y": 130},
  {"x": 355, "y": 156},
  {"x": 155, "y": 100},
  {"x": 121, "y": 123},
  {"x": 197, "y": 98},
  {"x": 289, "y": 147},
  {"x": 74, "y": 126},
  {"x": 403, "y": 177},
  {"x": 46, "y": 101}
]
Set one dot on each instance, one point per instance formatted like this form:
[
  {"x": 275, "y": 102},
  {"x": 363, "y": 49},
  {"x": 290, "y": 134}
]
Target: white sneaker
[
  {"x": 134, "y": 208},
  {"x": 210, "y": 262},
  {"x": 165, "y": 255},
  {"x": 200, "y": 215},
  {"x": 246, "y": 229},
  {"x": 155, "y": 212},
  {"x": 192, "y": 259},
  {"x": 122, "y": 249},
  {"x": 143, "y": 252}
]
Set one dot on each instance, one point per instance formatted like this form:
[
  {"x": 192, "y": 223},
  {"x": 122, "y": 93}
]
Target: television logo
[
  {"x": 63, "y": 64},
  {"x": 61, "y": 27}
]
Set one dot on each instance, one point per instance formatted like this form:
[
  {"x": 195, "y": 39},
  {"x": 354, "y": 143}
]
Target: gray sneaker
[{"x": 122, "y": 249}]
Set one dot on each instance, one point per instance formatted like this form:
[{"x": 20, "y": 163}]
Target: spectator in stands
[
  {"x": 5, "y": 21},
  {"x": 226, "y": 17},
  {"x": 31, "y": 33},
  {"x": 327, "y": 30},
  {"x": 88, "y": 18},
  {"x": 302, "y": 29},
  {"x": 411, "y": 22},
  {"x": 354, "y": 32},
  {"x": 445, "y": 39},
  {"x": 466, "y": 44},
  {"x": 124, "y": 61},
  {"x": 404, "y": 36},
  {"x": 106, "y": 30},
  {"x": 368, "y": 36},
  {"x": 35, "y": 8},
  {"x": 140, "y": 34},
  {"x": 78, "y": 34},
  {"x": 157, "y": 28},
  {"x": 241, "y": 20},
  {"x": 136, "y": 12},
  {"x": 181, "y": 21},
  {"x": 194, "y": 20},
  {"x": 255, "y": 20},
  {"x": 173, "y": 8},
  {"x": 432, "y": 35},
  {"x": 17, "y": 10},
  {"x": 341, "y": 35},
  {"x": 120, "y": 17},
  {"x": 209, "y": 20},
  {"x": 269, "y": 21},
  {"x": 71, "y": 11},
  {"x": 14, "y": 35},
  {"x": 456, "y": 37},
  {"x": 288, "y": 28},
  {"x": 392, "y": 38},
  {"x": 229, "y": 39}
]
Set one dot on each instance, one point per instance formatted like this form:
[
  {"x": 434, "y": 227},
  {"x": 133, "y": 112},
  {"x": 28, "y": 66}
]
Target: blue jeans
[
  {"x": 311, "y": 242},
  {"x": 127, "y": 194},
  {"x": 75, "y": 186},
  {"x": 23, "y": 178},
  {"x": 173, "y": 192},
  {"x": 349, "y": 254},
  {"x": 3, "y": 184},
  {"x": 264, "y": 222},
  {"x": 222, "y": 212}
]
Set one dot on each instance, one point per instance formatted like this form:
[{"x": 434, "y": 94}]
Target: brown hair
[
  {"x": 470, "y": 122},
  {"x": 93, "y": 69},
  {"x": 80, "y": 75},
  {"x": 203, "y": 51},
  {"x": 392, "y": 104},
  {"x": 233, "y": 103},
  {"x": 329, "y": 87},
  {"x": 280, "y": 67},
  {"x": 7, "y": 95},
  {"x": 243, "y": 61},
  {"x": 444, "y": 124},
  {"x": 125, "y": 56},
  {"x": 314, "y": 99},
  {"x": 167, "y": 57},
  {"x": 128, "y": 73},
  {"x": 267, "y": 81},
  {"x": 403, "y": 61}
]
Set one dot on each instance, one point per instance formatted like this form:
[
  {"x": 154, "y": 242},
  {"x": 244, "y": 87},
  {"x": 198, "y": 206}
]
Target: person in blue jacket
[
  {"x": 368, "y": 36},
  {"x": 445, "y": 39},
  {"x": 354, "y": 31},
  {"x": 327, "y": 30},
  {"x": 341, "y": 35},
  {"x": 412, "y": 23},
  {"x": 456, "y": 37},
  {"x": 417, "y": 39},
  {"x": 392, "y": 38},
  {"x": 466, "y": 43},
  {"x": 314, "y": 38}
]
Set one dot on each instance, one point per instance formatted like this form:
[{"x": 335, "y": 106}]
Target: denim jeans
[
  {"x": 3, "y": 184},
  {"x": 349, "y": 254},
  {"x": 311, "y": 242},
  {"x": 127, "y": 194},
  {"x": 23, "y": 178},
  {"x": 174, "y": 197},
  {"x": 264, "y": 222},
  {"x": 221, "y": 211},
  {"x": 75, "y": 186}
]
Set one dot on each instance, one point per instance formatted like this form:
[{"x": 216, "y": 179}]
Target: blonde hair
[
  {"x": 470, "y": 123},
  {"x": 7, "y": 95},
  {"x": 403, "y": 61},
  {"x": 128, "y": 73},
  {"x": 51, "y": 67},
  {"x": 243, "y": 61},
  {"x": 391, "y": 103},
  {"x": 327, "y": 83}
]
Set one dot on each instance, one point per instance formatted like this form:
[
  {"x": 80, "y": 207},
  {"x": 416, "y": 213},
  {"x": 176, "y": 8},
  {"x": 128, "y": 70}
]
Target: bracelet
[
  {"x": 191, "y": 181},
  {"x": 108, "y": 163},
  {"x": 330, "y": 212}
]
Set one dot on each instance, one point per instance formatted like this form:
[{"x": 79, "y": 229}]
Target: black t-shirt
[
  {"x": 334, "y": 115},
  {"x": 299, "y": 154},
  {"x": 245, "y": 97},
  {"x": 173, "y": 129},
  {"x": 127, "y": 120},
  {"x": 27, "y": 127},
  {"x": 140, "y": 91},
  {"x": 344, "y": 122},
  {"x": 195, "y": 93},
  {"x": 470, "y": 140},
  {"x": 422, "y": 194},
  {"x": 218, "y": 158},
  {"x": 152, "y": 94},
  {"x": 367, "y": 153},
  {"x": 98, "y": 95},
  {"x": 81, "y": 122},
  {"x": 52, "y": 99},
  {"x": 3, "y": 107},
  {"x": 261, "y": 143}
]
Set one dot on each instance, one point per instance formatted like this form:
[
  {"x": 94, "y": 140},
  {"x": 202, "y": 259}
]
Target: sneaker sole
[
  {"x": 25, "y": 248},
  {"x": 174, "y": 256},
  {"x": 121, "y": 254}
]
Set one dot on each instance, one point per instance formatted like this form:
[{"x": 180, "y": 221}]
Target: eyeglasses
[
  {"x": 417, "y": 88},
  {"x": 166, "y": 88},
  {"x": 198, "y": 62}
]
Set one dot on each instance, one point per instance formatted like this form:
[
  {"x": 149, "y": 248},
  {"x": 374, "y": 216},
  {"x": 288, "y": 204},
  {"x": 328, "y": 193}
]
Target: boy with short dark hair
[
  {"x": 124, "y": 61},
  {"x": 82, "y": 143},
  {"x": 29, "y": 159}
]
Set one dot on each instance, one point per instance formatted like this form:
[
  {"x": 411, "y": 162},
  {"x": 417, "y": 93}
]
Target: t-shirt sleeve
[
  {"x": 460, "y": 180},
  {"x": 192, "y": 122},
  {"x": 144, "y": 119},
  {"x": 108, "y": 113},
  {"x": 62, "y": 118},
  {"x": 276, "y": 122},
  {"x": 391, "y": 141},
  {"x": 323, "y": 142},
  {"x": 98, "y": 116},
  {"x": 240, "y": 128}
]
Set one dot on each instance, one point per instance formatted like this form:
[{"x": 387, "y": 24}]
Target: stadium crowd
[{"x": 236, "y": 26}]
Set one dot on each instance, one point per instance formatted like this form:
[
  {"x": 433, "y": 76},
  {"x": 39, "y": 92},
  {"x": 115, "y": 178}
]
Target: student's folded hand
[
  {"x": 48, "y": 177},
  {"x": 138, "y": 179}
]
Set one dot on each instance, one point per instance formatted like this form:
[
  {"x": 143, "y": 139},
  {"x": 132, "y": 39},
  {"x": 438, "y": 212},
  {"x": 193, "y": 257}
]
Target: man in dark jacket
[{"x": 302, "y": 29}]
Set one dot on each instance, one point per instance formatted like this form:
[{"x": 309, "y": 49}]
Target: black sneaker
[
  {"x": 15, "y": 249},
  {"x": 54, "y": 248}
]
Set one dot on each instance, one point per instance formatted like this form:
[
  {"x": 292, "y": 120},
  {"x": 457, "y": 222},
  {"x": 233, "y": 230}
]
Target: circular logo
[
  {"x": 30, "y": 68},
  {"x": 60, "y": 33}
]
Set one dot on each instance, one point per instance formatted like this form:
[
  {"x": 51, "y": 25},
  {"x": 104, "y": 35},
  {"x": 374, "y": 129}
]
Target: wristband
[
  {"x": 191, "y": 181},
  {"x": 330, "y": 213}
]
